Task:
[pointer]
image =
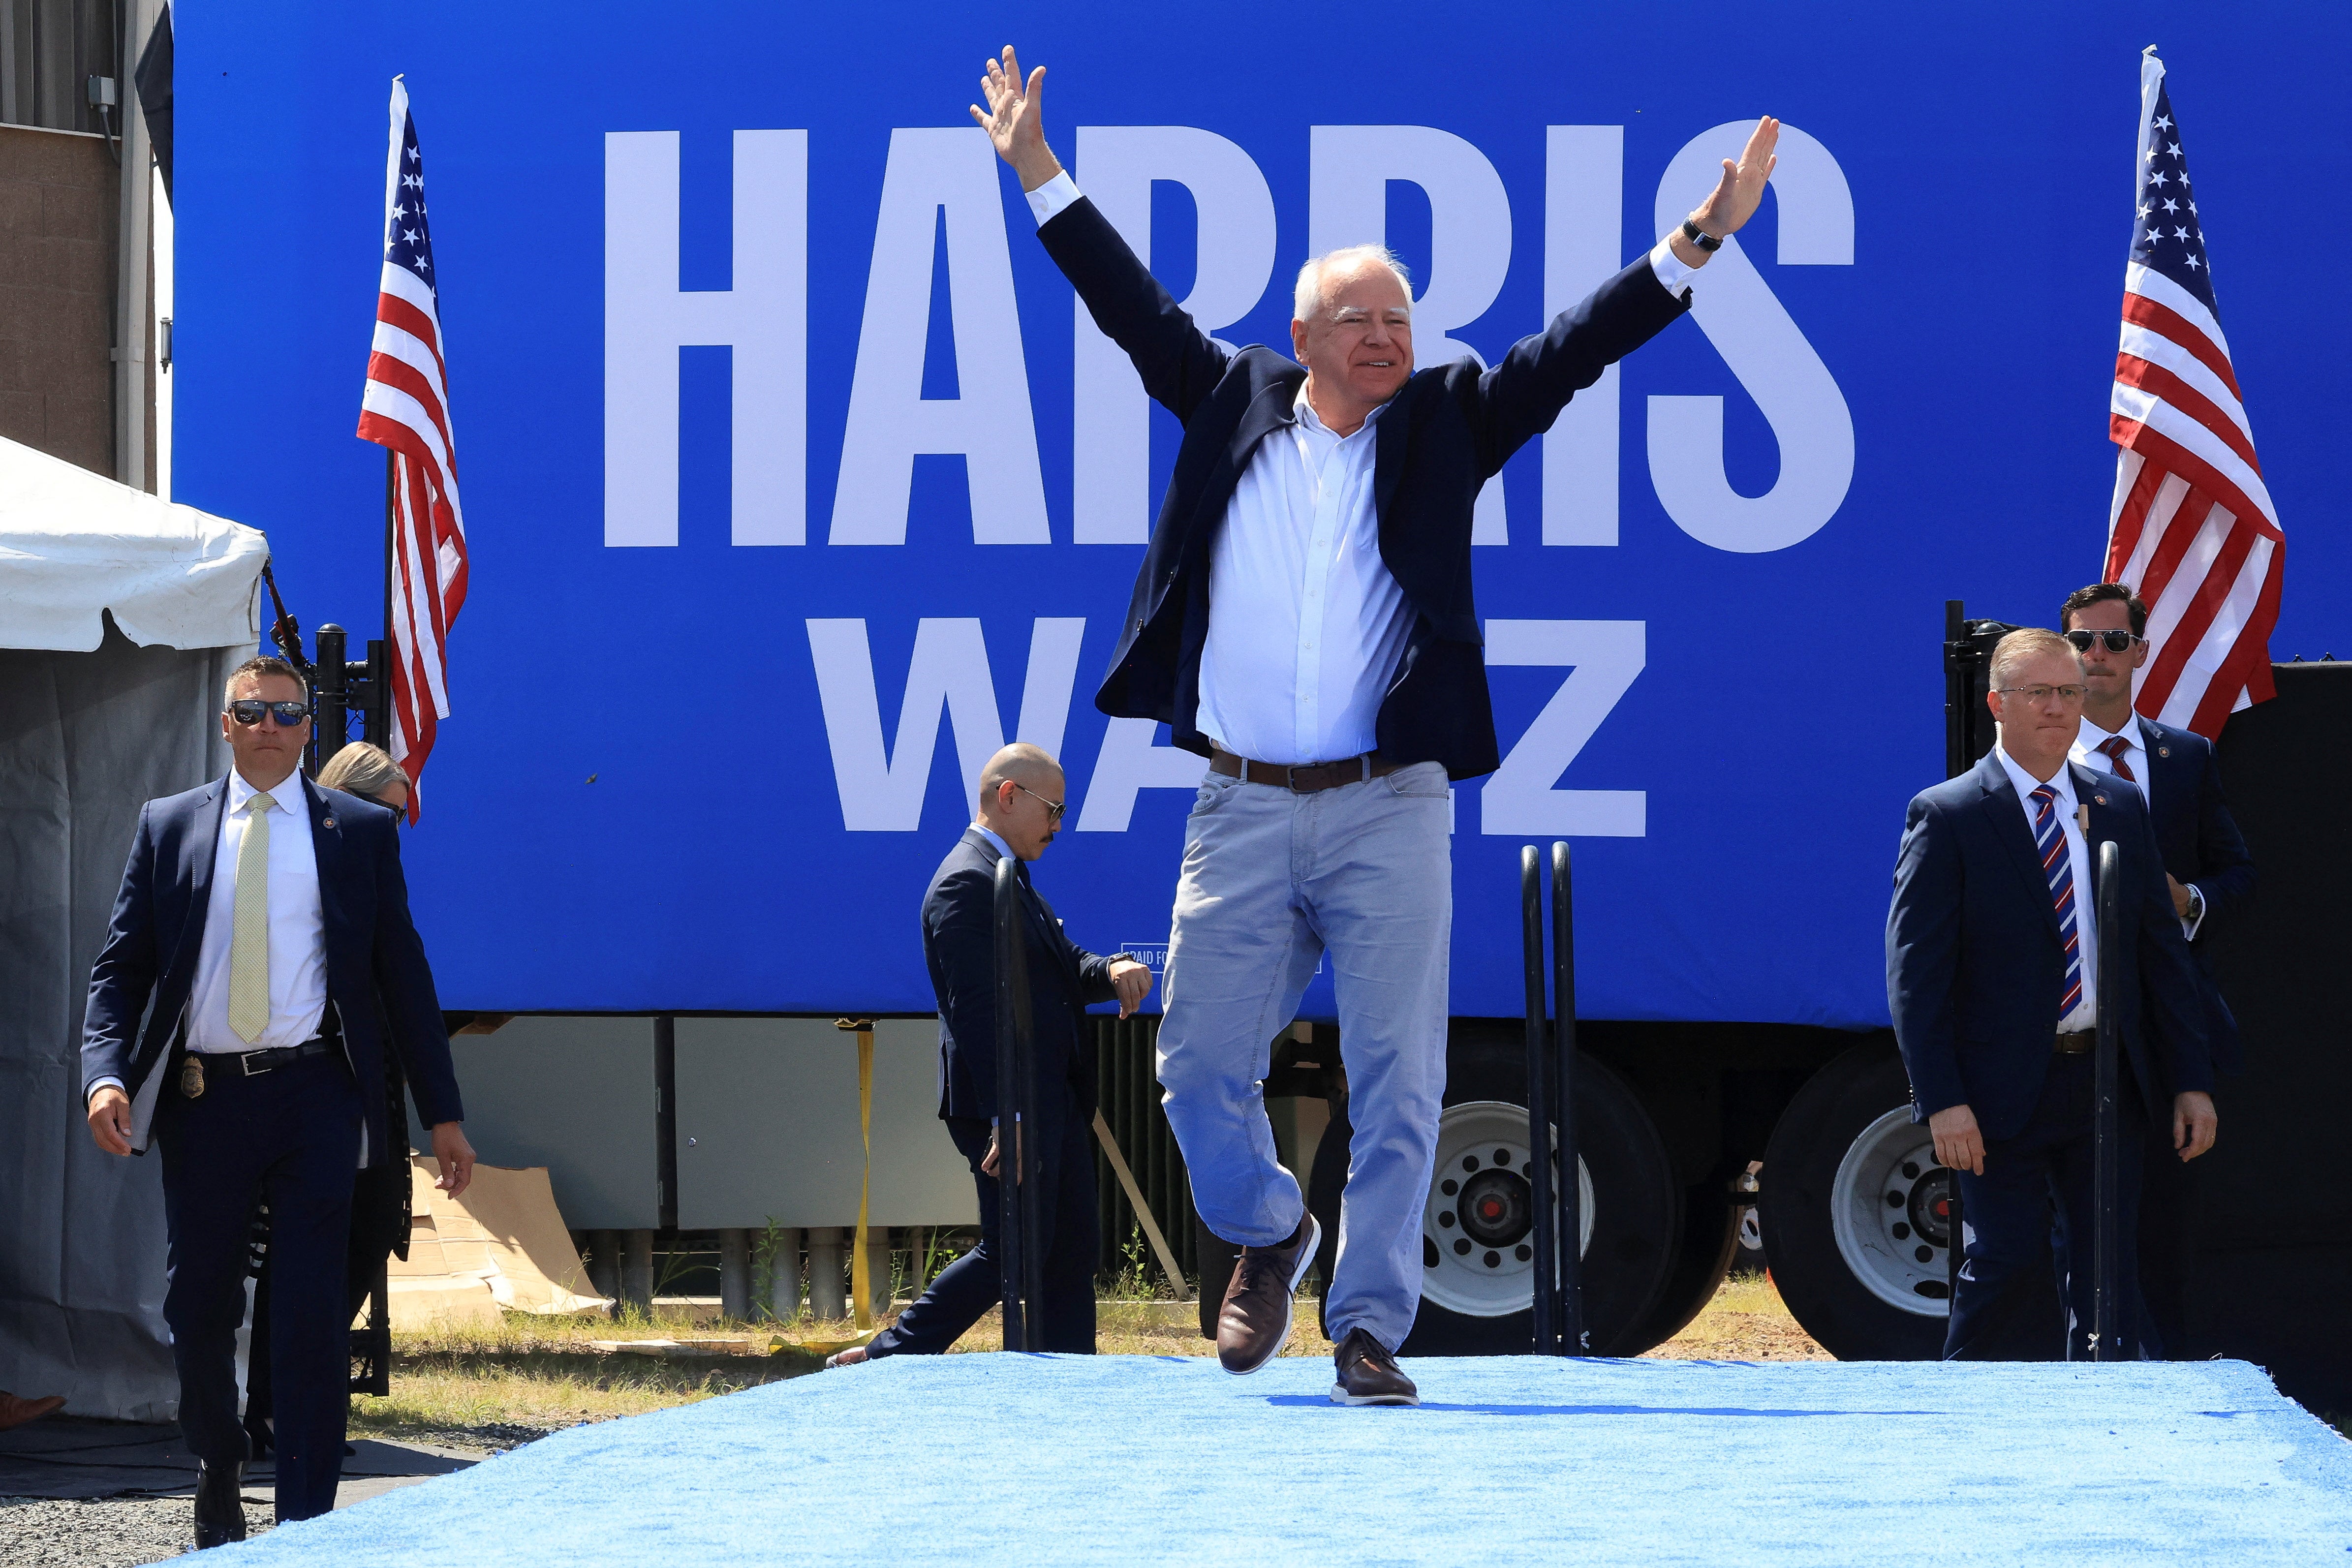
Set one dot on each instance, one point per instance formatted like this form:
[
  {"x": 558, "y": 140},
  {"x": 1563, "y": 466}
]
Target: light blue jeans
[{"x": 1272, "y": 882}]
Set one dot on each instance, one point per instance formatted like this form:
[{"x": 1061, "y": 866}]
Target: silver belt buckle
[{"x": 245, "y": 1063}]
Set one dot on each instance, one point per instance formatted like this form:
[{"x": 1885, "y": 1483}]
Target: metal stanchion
[
  {"x": 2104, "y": 1301},
  {"x": 1540, "y": 1132},
  {"x": 1016, "y": 1187},
  {"x": 1569, "y": 1229}
]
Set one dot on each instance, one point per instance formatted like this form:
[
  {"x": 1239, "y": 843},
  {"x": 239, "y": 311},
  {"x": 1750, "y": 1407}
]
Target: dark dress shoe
[
  {"x": 220, "y": 1504},
  {"x": 1369, "y": 1374},
  {"x": 1255, "y": 1319}
]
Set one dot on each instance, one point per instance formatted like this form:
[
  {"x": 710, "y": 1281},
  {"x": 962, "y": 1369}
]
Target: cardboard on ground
[{"x": 501, "y": 1245}]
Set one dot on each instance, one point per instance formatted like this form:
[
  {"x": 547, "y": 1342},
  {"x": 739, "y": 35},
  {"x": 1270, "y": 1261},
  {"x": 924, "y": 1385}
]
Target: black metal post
[
  {"x": 329, "y": 729},
  {"x": 666, "y": 1122},
  {"x": 1539, "y": 1131},
  {"x": 1016, "y": 1192},
  {"x": 376, "y": 727},
  {"x": 1956, "y": 691},
  {"x": 1570, "y": 1230},
  {"x": 2105, "y": 1302}
]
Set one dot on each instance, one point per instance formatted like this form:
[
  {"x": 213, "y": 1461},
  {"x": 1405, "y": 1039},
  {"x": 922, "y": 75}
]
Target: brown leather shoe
[
  {"x": 1255, "y": 1319},
  {"x": 1369, "y": 1374}
]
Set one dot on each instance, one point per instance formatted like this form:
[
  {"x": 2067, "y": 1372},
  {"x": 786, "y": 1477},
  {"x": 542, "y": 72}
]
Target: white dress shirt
[
  {"x": 1307, "y": 625},
  {"x": 2078, "y": 857},
  {"x": 297, "y": 929},
  {"x": 2086, "y": 751}
]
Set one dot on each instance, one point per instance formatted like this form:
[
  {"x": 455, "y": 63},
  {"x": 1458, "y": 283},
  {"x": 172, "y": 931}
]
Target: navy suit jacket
[
  {"x": 1975, "y": 965},
  {"x": 959, "y": 947},
  {"x": 378, "y": 984},
  {"x": 1445, "y": 434},
  {"x": 2202, "y": 848}
]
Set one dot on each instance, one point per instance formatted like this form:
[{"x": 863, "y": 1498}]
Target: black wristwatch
[{"x": 1700, "y": 237}]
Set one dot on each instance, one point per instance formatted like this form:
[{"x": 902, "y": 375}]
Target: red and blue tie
[{"x": 2057, "y": 868}]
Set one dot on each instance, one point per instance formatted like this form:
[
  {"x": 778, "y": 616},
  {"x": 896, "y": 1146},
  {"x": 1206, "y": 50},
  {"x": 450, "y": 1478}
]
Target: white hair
[{"x": 1308, "y": 297}]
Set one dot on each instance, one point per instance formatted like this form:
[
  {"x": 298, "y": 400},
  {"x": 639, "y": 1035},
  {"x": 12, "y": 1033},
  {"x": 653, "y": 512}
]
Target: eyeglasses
[
  {"x": 1054, "y": 808},
  {"x": 248, "y": 710},
  {"x": 2116, "y": 642},
  {"x": 2040, "y": 694}
]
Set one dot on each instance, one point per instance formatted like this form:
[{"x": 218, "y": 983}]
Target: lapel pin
[
  {"x": 2164, "y": 751},
  {"x": 2101, "y": 799},
  {"x": 329, "y": 824}
]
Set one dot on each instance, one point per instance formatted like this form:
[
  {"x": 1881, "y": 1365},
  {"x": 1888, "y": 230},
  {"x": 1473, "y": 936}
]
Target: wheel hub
[
  {"x": 1476, "y": 1249},
  {"x": 1890, "y": 1209}
]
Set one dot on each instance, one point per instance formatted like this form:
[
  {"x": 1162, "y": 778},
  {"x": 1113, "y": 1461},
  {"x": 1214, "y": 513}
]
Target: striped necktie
[
  {"x": 248, "y": 948},
  {"x": 2058, "y": 870},
  {"x": 2113, "y": 749}
]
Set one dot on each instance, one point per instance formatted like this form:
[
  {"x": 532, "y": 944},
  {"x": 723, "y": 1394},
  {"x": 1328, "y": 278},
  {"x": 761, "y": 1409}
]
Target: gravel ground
[{"x": 109, "y": 1532}]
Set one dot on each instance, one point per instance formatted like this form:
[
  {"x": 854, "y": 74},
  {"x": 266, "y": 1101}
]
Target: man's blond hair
[{"x": 2025, "y": 643}]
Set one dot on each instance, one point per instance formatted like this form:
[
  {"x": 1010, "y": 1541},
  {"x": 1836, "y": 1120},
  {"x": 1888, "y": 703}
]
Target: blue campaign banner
[{"x": 794, "y": 482}]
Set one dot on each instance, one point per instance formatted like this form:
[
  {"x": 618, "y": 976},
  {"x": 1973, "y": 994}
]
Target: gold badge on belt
[{"x": 192, "y": 1076}]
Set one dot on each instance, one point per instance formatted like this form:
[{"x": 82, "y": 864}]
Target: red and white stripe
[
  {"x": 2192, "y": 529},
  {"x": 406, "y": 408}
]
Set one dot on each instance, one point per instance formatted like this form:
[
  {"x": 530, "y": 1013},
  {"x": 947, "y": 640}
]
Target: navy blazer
[
  {"x": 959, "y": 948},
  {"x": 378, "y": 983},
  {"x": 2203, "y": 849},
  {"x": 1975, "y": 965},
  {"x": 1447, "y": 432}
]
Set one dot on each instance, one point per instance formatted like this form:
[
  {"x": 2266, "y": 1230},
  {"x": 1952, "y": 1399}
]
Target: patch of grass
[
  {"x": 494, "y": 1385},
  {"x": 1747, "y": 1321}
]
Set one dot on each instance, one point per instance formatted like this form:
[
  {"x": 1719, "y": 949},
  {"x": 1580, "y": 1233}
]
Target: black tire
[
  {"x": 1833, "y": 1109},
  {"x": 1709, "y": 1243},
  {"x": 1637, "y": 1207}
]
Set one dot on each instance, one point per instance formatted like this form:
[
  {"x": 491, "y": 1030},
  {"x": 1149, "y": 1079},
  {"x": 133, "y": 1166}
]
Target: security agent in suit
[
  {"x": 1022, "y": 798},
  {"x": 1305, "y": 620},
  {"x": 2208, "y": 871},
  {"x": 1992, "y": 960},
  {"x": 260, "y": 963}
]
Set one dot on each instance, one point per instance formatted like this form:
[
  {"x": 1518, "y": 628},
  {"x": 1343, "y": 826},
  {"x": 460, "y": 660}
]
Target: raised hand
[
  {"x": 1016, "y": 120},
  {"x": 1736, "y": 197}
]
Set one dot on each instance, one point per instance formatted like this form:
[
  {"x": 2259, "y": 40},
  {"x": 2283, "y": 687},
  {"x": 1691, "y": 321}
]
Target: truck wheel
[
  {"x": 1702, "y": 1258},
  {"x": 1854, "y": 1211},
  {"x": 1478, "y": 1278}
]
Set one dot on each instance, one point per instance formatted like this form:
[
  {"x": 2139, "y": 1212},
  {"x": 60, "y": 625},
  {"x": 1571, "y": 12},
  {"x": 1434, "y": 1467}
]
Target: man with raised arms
[{"x": 1304, "y": 620}]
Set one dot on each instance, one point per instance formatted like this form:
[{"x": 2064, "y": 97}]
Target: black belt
[
  {"x": 248, "y": 1063},
  {"x": 1304, "y": 778},
  {"x": 2077, "y": 1042}
]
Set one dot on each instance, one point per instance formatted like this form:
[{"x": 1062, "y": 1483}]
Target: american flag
[
  {"x": 2192, "y": 529},
  {"x": 406, "y": 408}
]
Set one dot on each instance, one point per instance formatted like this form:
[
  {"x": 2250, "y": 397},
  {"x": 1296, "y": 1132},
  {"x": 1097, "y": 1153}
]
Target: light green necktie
[{"x": 249, "y": 952}]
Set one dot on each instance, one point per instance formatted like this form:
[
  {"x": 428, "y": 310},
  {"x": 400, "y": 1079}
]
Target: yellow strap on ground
[
  {"x": 1142, "y": 1210},
  {"x": 861, "y": 1262}
]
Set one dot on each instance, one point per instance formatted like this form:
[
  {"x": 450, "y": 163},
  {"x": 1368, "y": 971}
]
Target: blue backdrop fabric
[
  {"x": 793, "y": 483},
  {"x": 1092, "y": 1460}
]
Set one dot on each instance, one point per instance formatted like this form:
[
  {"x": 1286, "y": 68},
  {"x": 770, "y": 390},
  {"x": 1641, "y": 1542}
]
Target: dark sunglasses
[
  {"x": 2116, "y": 642},
  {"x": 248, "y": 710},
  {"x": 1054, "y": 808}
]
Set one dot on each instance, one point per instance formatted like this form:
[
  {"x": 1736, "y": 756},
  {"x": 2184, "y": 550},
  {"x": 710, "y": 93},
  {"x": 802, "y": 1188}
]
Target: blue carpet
[{"x": 1127, "y": 1460}]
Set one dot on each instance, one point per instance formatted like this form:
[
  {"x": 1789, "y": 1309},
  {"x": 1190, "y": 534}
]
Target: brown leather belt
[
  {"x": 2077, "y": 1043},
  {"x": 1302, "y": 779}
]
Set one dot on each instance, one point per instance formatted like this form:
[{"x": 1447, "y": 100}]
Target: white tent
[{"x": 119, "y": 616}]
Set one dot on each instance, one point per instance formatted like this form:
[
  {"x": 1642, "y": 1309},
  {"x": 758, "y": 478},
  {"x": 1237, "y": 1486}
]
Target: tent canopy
[{"x": 74, "y": 544}]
